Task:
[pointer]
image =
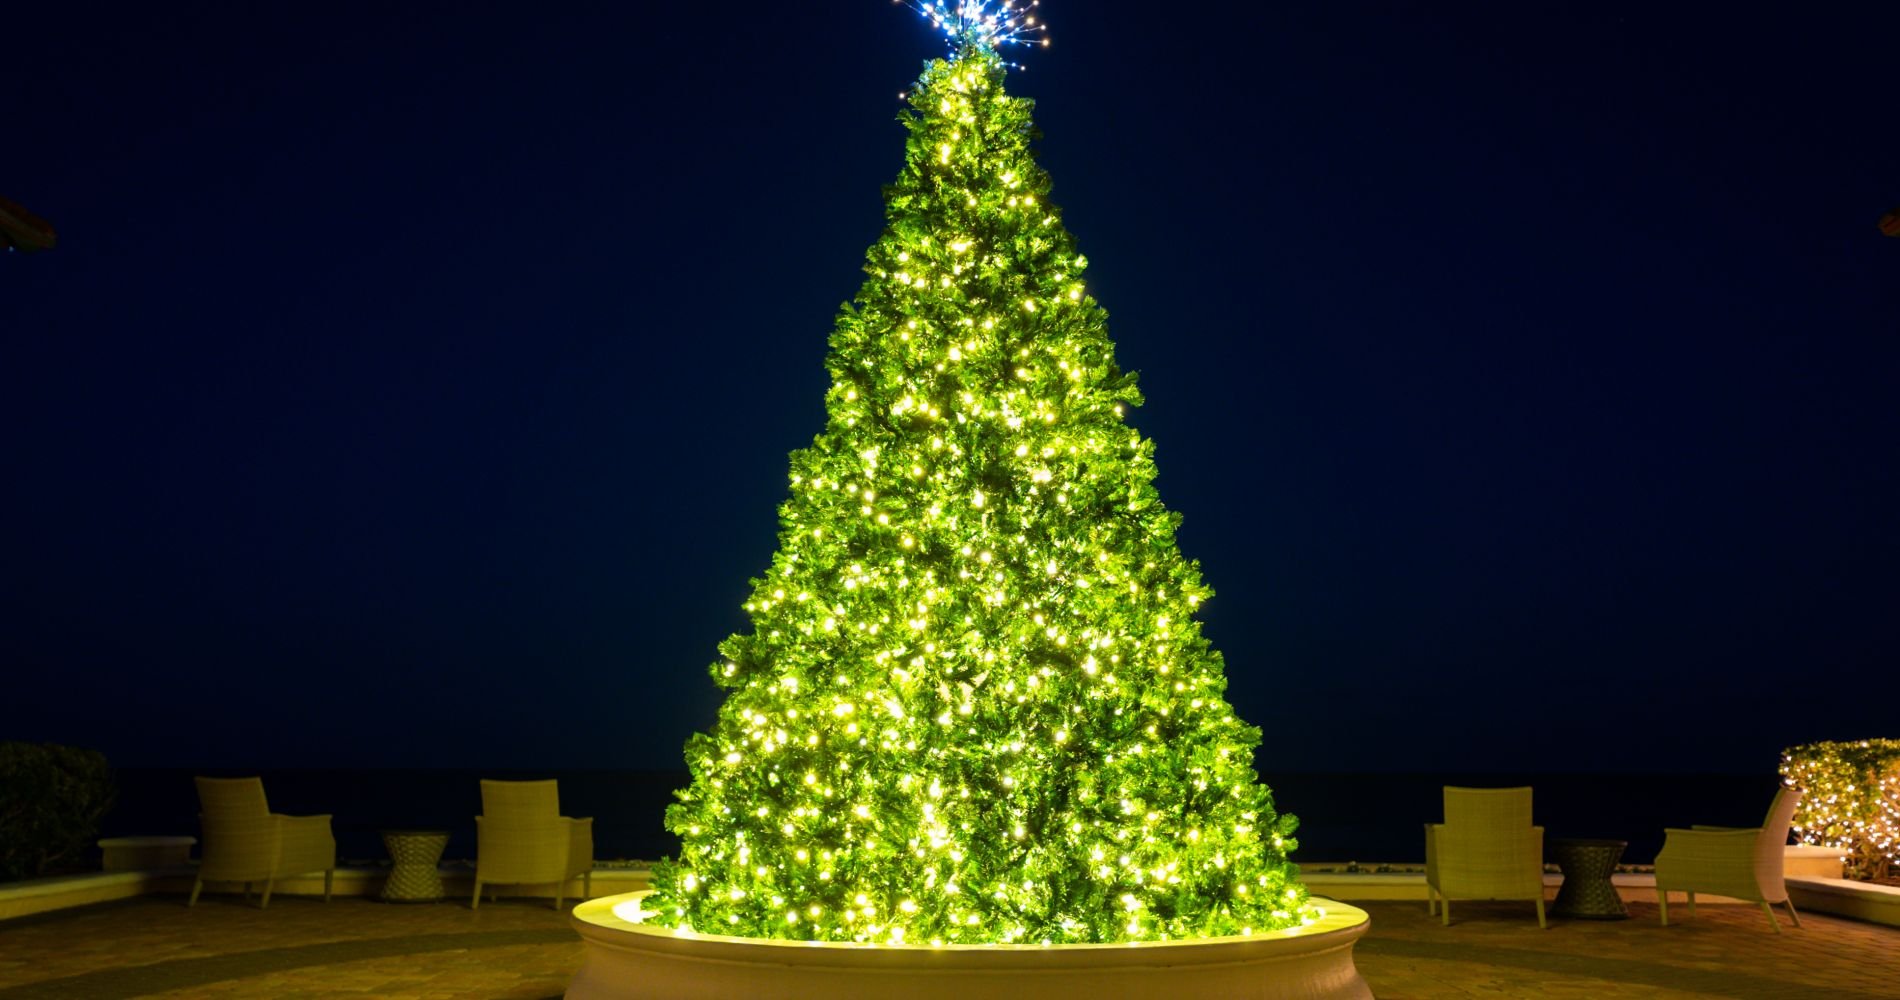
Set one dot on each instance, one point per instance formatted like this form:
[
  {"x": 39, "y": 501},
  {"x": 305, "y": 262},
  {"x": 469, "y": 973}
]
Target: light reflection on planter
[{"x": 627, "y": 959}]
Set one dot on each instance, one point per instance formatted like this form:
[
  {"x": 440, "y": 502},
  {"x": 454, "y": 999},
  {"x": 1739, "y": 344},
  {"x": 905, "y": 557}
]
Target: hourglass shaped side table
[
  {"x": 1587, "y": 891},
  {"x": 413, "y": 878}
]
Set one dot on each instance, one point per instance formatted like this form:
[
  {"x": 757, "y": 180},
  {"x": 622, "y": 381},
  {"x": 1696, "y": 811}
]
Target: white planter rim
[{"x": 600, "y": 924}]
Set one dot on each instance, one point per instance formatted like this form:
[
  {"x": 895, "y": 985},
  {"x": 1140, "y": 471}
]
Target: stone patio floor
[{"x": 304, "y": 948}]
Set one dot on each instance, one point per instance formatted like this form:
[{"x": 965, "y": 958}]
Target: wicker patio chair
[
  {"x": 245, "y": 842},
  {"x": 521, "y": 838},
  {"x": 1745, "y": 864},
  {"x": 1485, "y": 849}
]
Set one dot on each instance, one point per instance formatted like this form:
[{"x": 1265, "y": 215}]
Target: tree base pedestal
[{"x": 626, "y": 959}]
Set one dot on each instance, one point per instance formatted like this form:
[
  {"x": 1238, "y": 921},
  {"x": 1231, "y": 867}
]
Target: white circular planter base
[{"x": 626, "y": 959}]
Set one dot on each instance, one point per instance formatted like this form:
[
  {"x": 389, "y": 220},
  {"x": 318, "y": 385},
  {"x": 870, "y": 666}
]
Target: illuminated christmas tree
[{"x": 975, "y": 705}]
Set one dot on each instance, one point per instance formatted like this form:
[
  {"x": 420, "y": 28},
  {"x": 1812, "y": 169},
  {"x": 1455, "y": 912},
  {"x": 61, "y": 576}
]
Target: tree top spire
[{"x": 988, "y": 24}]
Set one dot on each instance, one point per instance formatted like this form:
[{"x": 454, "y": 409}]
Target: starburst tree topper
[
  {"x": 975, "y": 705},
  {"x": 987, "y": 24}
]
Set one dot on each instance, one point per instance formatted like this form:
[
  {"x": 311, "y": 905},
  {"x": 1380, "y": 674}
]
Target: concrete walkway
[
  {"x": 1495, "y": 950},
  {"x": 522, "y": 950}
]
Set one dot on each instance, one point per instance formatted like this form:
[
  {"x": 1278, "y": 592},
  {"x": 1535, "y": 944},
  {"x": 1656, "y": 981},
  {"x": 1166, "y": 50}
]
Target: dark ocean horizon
[{"x": 1365, "y": 817}]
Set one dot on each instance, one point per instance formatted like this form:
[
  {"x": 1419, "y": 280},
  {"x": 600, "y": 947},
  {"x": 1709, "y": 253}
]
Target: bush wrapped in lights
[
  {"x": 975, "y": 705},
  {"x": 1850, "y": 800}
]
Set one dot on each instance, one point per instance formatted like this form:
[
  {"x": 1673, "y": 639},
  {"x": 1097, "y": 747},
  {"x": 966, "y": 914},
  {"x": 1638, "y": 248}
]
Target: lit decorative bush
[
  {"x": 51, "y": 801},
  {"x": 975, "y": 705},
  {"x": 1850, "y": 799}
]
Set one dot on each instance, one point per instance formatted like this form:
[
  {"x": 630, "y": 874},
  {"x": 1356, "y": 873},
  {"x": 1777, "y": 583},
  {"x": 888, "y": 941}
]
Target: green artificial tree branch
[{"x": 975, "y": 705}]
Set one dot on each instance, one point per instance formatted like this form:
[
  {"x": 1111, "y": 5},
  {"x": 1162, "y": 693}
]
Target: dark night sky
[{"x": 415, "y": 388}]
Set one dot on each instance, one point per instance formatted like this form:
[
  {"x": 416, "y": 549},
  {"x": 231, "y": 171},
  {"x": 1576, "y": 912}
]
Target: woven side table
[
  {"x": 1587, "y": 891},
  {"x": 413, "y": 877}
]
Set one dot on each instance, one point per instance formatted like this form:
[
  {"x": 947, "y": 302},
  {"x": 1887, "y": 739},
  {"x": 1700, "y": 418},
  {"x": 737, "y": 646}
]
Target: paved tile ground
[
  {"x": 299, "y": 948},
  {"x": 1495, "y": 950},
  {"x": 523, "y": 950}
]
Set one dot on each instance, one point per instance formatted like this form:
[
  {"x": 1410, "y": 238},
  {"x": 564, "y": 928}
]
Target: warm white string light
[
  {"x": 1850, "y": 800},
  {"x": 974, "y": 705},
  {"x": 987, "y": 23}
]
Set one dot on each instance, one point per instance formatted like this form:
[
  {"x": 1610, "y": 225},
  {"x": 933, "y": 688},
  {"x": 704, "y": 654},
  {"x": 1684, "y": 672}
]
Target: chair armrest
[
  {"x": 304, "y": 844},
  {"x": 1718, "y": 862},
  {"x": 1728, "y": 829},
  {"x": 303, "y": 826},
  {"x": 1695, "y": 846},
  {"x": 1711, "y": 834},
  {"x": 580, "y": 845}
]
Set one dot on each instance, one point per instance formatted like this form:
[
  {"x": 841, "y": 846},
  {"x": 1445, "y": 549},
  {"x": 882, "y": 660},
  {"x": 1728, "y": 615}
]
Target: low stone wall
[
  {"x": 1838, "y": 896},
  {"x": 1876, "y": 904},
  {"x": 20, "y": 899}
]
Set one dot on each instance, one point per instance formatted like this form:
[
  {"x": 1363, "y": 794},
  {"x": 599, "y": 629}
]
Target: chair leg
[
  {"x": 1691, "y": 896},
  {"x": 1444, "y": 905},
  {"x": 1540, "y": 914},
  {"x": 1662, "y": 903},
  {"x": 1770, "y": 911},
  {"x": 560, "y": 893},
  {"x": 1796, "y": 917},
  {"x": 329, "y": 879},
  {"x": 197, "y": 884},
  {"x": 268, "y": 883},
  {"x": 476, "y": 903},
  {"x": 1431, "y": 901}
]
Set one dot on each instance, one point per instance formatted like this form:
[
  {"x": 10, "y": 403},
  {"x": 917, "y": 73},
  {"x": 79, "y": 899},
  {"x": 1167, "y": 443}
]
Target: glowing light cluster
[
  {"x": 975, "y": 705},
  {"x": 983, "y": 23},
  {"x": 1850, "y": 799}
]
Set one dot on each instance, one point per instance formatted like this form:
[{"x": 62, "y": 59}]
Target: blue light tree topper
[{"x": 988, "y": 24}]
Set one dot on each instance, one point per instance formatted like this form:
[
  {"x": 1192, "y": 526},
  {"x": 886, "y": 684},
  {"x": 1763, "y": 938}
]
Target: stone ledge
[
  {"x": 45, "y": 895},
  {"x": 1805, "y": 860},
  {"x": 1841, "y": 897},
  {"x": 1876, "y": 904}
]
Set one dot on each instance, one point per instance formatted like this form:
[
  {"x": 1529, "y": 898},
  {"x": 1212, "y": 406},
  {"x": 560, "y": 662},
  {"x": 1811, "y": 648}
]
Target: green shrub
[
  {"x": 1850, "y": 799},
  {"x": 51, "y": 800}
]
